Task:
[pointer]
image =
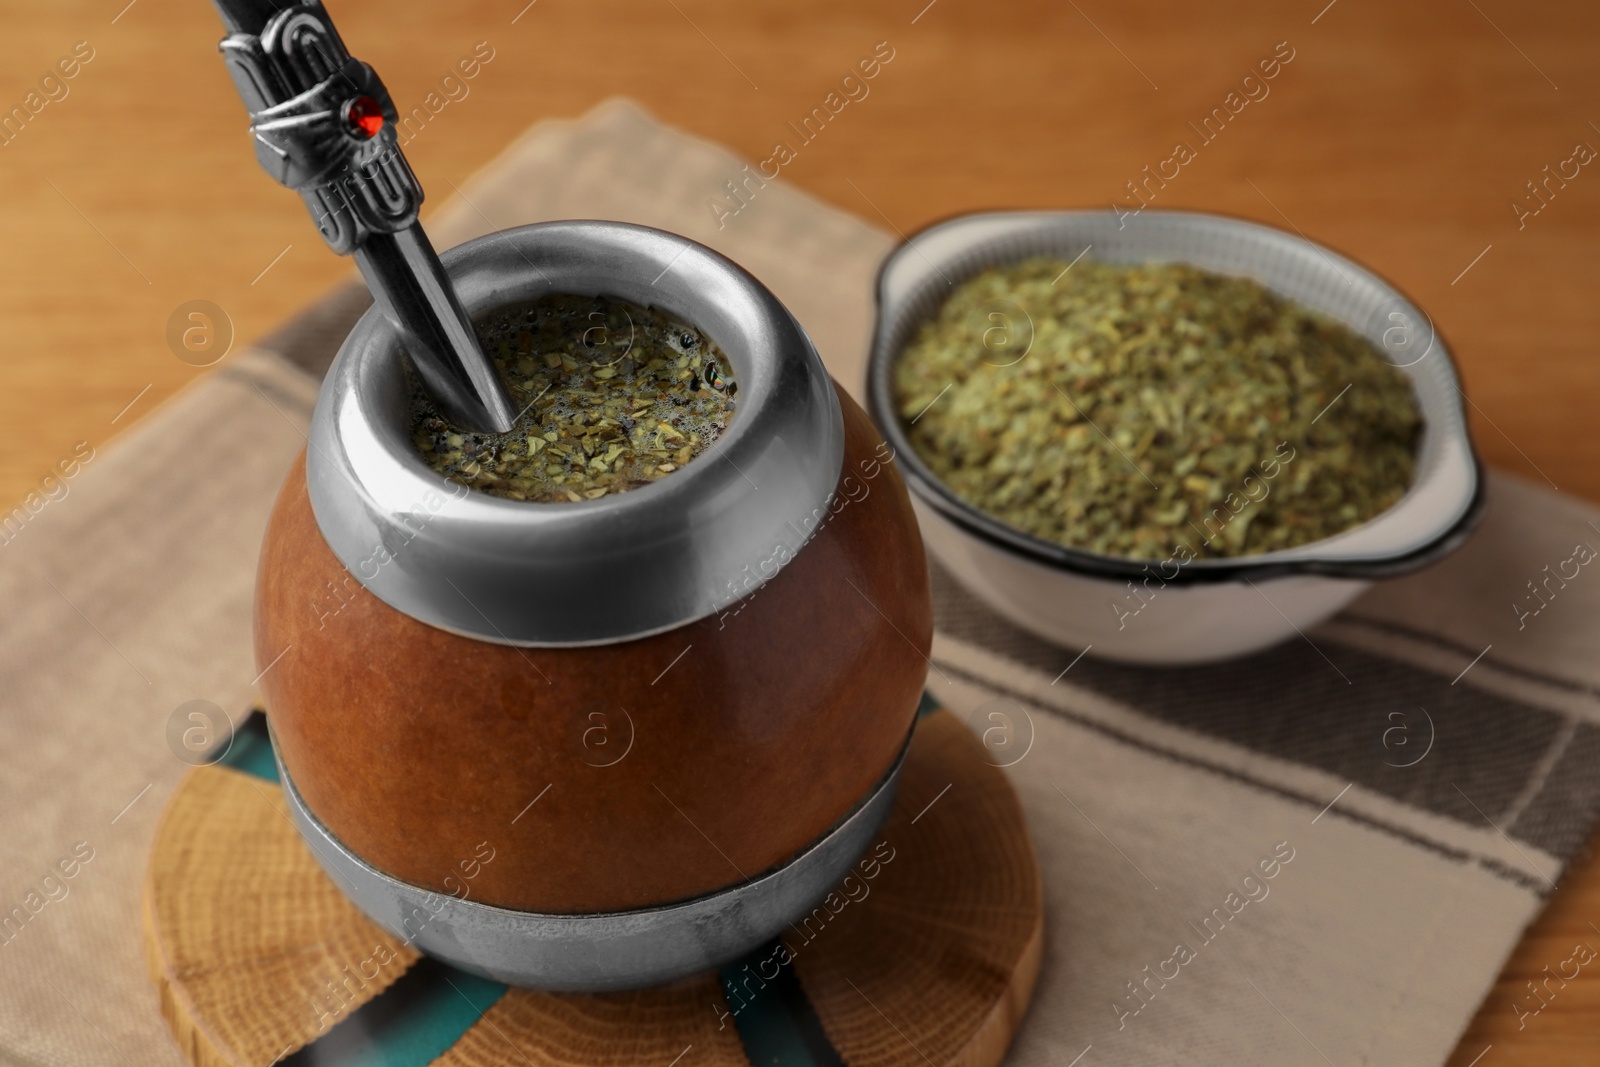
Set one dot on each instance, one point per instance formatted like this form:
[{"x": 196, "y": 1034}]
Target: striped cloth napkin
[{"x": 1319, "y": 854}]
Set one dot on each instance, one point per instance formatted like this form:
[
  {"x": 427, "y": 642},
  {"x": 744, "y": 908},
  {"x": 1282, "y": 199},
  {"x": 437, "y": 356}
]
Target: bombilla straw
[{"x": 324, "y": 125}]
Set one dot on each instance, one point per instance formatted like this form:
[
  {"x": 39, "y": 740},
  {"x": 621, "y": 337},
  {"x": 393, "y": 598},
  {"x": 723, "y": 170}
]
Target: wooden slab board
[{"x": 930, "y": 961}]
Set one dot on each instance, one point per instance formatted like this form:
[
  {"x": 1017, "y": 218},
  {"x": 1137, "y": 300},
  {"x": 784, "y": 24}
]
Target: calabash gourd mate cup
[{"x": 596, "y": 745}]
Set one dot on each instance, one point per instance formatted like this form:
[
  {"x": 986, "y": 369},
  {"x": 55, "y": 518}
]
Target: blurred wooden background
[{"x": 1399, "y": 134}]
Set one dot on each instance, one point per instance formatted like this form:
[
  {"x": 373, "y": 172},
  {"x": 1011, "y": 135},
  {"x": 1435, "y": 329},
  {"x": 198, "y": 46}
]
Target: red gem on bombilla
[{"x": 364, "y": 117}]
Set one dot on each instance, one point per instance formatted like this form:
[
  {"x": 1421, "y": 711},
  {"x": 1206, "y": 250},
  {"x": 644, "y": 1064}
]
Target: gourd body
[{"x": 613, "y": 776}]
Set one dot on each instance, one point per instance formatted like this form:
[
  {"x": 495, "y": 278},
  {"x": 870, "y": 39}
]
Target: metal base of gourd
[{"x": 590, "y": 953}]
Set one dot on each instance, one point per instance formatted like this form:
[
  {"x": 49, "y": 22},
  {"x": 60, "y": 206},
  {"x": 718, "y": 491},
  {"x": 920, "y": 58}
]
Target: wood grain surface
[
  {"x": 931, "y": 961},
  {"x": 1400, "y": 134},
  {"x": 986, "y": 926},
  {"x": 242, "y": 986}
]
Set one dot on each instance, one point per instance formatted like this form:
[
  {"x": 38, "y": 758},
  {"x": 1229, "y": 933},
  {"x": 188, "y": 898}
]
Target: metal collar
[{"x": 613, "y": 569}]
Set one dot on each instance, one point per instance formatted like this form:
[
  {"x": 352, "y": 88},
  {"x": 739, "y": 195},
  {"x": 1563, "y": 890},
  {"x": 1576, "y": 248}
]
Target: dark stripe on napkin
[{"x": 1289, "y": 703}]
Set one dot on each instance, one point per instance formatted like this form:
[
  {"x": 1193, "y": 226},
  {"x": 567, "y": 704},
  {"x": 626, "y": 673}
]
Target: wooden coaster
[{"x": 927, "y": 958}]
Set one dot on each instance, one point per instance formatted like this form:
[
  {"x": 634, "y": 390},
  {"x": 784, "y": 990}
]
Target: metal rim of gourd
[{"x": 626, "y": 565}]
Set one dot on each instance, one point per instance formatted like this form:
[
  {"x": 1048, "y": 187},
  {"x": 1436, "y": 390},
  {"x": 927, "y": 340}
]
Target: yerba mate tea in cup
[
  {"x": 683, "y": 600},
  {"x": 611, "y": 396}
]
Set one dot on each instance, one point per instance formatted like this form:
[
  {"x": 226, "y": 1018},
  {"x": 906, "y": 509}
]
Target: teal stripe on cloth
[
  {"x": 443, "y": 1013},
  {"x": 410, "y": 1024},
  {"x": 776, "y": 1021},
  {"x": 250, "y": 749}
]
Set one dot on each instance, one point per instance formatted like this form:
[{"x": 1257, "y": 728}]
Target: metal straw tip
[{"x": 411, "y": 287}]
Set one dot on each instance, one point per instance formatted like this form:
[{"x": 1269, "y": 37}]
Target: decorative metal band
[{"x": 609, "y": 951}]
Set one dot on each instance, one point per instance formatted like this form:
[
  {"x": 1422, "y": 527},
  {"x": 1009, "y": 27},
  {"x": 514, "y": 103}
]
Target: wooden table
[{"x": 1400, "y": 134}]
